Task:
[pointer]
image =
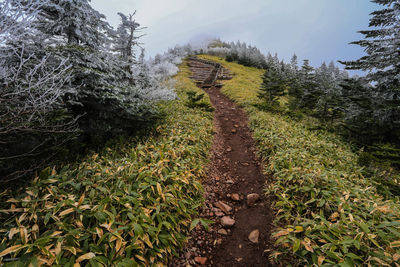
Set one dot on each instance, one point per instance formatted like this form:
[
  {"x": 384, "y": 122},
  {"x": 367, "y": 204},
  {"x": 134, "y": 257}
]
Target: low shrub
[{"x": 195, "y": 101}]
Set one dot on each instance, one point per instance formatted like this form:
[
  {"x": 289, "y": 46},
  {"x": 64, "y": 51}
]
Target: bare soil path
[{"x": 240, "y": 236}]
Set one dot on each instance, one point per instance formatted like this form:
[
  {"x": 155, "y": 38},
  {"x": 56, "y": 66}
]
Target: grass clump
[
  {"x": 131, "y": 205},
  {"x": 328, "y": 213}
]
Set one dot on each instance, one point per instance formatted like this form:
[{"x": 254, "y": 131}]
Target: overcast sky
[{"x": 319, "y": 30}]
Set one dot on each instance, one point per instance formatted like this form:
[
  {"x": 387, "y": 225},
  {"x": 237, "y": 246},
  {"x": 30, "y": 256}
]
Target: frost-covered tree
[
  {"x": 309, "y": 93},
  {"x": 328, "y": 83},
  {"x": 241, "y": 53},
  {"x": 74, "y": 21},
  {"x": 294, "y": 63},
  {"x": 273, "y": 85},
  {"x": 126, "y": 40},
  {"x": 360, "y": 116},
  {"x": 382, "y": 45},
  {"x": 382, "y": 63},
  {"x": 33, "y": 116}
]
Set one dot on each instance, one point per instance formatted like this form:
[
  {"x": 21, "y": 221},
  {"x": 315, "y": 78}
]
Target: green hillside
[
  {"x": 327, "y": 211},
  {"x": 132, "y": 204}
]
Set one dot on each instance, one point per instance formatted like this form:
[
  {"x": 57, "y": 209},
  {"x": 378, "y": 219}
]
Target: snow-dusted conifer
[{"x": 74, "y": 21}]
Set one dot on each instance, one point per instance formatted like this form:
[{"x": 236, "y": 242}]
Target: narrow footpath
[{"x": 234, "y": 194}]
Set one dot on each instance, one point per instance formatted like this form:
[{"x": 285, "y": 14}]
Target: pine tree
[
  {"x": 126, "y": 40},
  {"x": 328, "y": 83},
  {"x": 273, "y": 86},
  {"x": 382, "y": 62},
  {"x": 310, "y": 92},
  {"x": 34, "y": 121},
  {"x": 294, "y": 63},
  {"x": 358, "y": 103},
  {"x": 76, "y": 21},
  {"x": 382, "y": 45}
]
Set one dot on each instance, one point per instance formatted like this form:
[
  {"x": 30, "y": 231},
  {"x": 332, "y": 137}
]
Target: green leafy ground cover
[
  {"x": 328, "y": 213},
  {"x": 131, "y": 205}
]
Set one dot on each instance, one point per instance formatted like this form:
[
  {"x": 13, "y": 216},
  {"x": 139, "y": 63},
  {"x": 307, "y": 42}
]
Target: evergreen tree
[
  {"x": 273, "y": 85},
  {"x": 382, "y": 45},
  {"x": 310, "y": 92},
  {"x": 76, "y": 21},
  {"x": 294, "y": 63},
  {"x": 34, "y": 121},
  {"x": 358, "y": 103},
  {"x": 126, "y": 40},
  {"x": 382, "y": 62},
  {"x": 328, "y": 82}
]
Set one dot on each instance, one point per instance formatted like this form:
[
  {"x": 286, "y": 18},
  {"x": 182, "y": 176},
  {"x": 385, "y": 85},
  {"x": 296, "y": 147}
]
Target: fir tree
[
  {"x": 382, "y": 62},
  {"x": 310, "y": 92},
  {"x": 273, "y": 86},
  {"x": 76, "y": 21},
  {"x": 382, "y": 45}
]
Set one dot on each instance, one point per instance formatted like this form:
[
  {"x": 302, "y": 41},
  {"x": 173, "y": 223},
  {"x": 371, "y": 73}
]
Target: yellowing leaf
[
  {"x": 99, "y": 232},
  {"x": 395, "y": 244},
  {"x": 320, "y": 260},
  {"x": 334, "y": 216},
  {"x": 384, "y": 209},
  {"x": 140, "y": 258},
  {"x": 159, "y": 190},
  {"x": 307, "y": 246},
  {"x": 12, "y": 232},
  {"x": 81, "y": 199},
  {"x": 24, "y": 234},
  {"x": 58, "y": 248},
  {"x": 66, "y": 212},
  {"x": 56, "y": 233},
  {"x": 281, "y": 233},
  {"x": 86, "y": 256},
  {"x": 299, "y": 229},
  {"x": 396, "y": 257},
  {"x": 146, "y": 239},
  {"x": 118, "y": 244},
  {"x": 10, "y": 250}
]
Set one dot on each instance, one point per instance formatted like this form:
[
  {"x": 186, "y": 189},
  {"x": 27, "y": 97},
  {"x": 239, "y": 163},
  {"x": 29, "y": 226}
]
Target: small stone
[
  {"x": 253, "y": 237},
  {"x": 239, "y": 259},
  {"x": 234, "y": 130},
  {"x": 200, "y": 260},
  {"x": 236, "y": 126},
  {"x": 235, "y": 197},
  {"x": 240, "y": 246},
  {"x": 252, "y": 199},
  {"x": 224, "y": 207},
  {"x": 219, "y": 241},
  {"x": 229, "y": 149},
  {"x": 230, "y": 182},
  {"x": 219, "y": 214},
  {"x": 227, "y": 222},
  {"x": 222, "y": 232}
]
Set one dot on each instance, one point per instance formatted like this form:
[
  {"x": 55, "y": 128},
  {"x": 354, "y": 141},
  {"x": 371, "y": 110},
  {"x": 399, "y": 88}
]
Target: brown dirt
[{"x": 234, "y": 169}]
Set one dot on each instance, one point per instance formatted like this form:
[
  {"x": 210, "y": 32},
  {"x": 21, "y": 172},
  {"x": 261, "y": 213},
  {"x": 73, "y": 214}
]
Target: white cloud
[{"x": 318, "y": 29}]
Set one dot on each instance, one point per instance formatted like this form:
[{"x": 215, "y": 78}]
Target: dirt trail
[{"x": 234, "y": 173}]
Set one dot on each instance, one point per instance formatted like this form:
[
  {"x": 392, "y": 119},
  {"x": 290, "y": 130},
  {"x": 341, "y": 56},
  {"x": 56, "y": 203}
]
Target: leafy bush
[
  {"x": 128, "y": 206},
  {"x": 328, "y": 213}
]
